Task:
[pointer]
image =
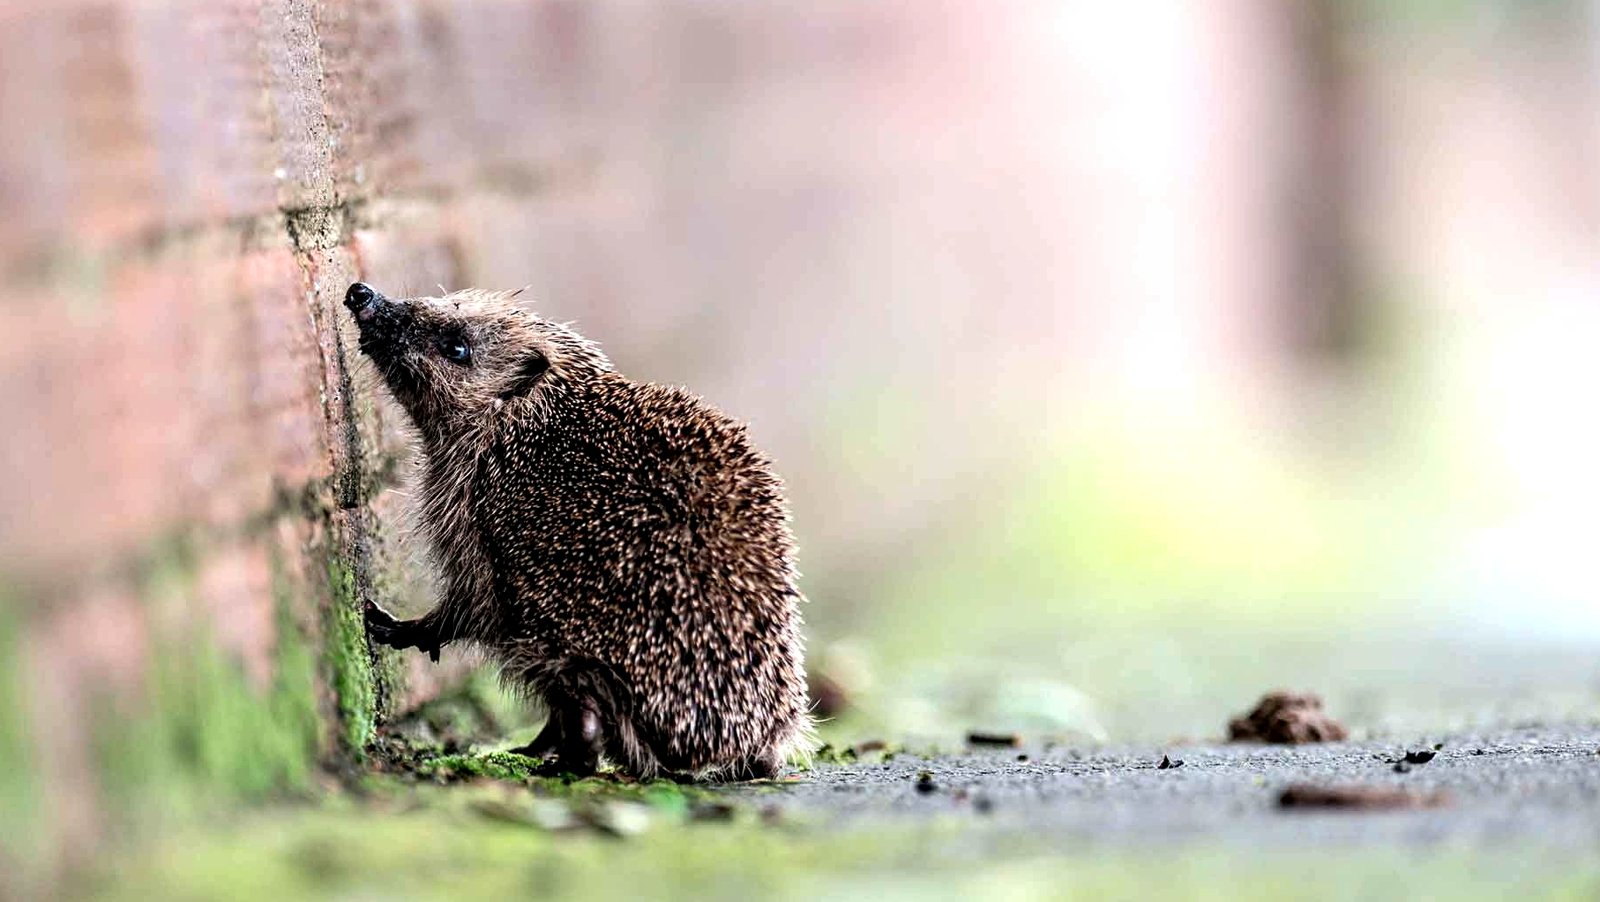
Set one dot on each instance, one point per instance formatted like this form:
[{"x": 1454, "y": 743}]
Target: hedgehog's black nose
[{"x": 362, "y": 300}]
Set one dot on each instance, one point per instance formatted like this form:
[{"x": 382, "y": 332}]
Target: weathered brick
[
  {"x": 39, "y": 449},
  {"x": 114, "y": 192},
  {"x": 292, "y": 74},
  {"x": 284, "y": 407},
  {"x": 35, "y": 179},
  {"x": 371, "y": 117},
  {"x": 196, "y": 63}
]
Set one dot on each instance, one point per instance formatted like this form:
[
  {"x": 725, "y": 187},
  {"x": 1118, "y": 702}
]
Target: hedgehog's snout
[
  {"x": 364, "y": 301},
  {"x": 383, "y": 322}
]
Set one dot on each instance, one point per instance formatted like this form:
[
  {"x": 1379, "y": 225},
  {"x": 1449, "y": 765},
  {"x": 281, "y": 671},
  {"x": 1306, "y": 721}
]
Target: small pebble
[
  {"x": 712, "y": 811},
  {"x": 1304, "y": 795},
  {"x": 1001, "y": 739}
]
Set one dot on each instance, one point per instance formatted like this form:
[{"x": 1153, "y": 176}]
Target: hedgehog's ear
[{"x": 529, "y": 372}]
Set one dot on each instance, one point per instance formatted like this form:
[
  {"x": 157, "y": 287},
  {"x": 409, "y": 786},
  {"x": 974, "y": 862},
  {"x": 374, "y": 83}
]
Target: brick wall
[{"x": 195, "y": 463}]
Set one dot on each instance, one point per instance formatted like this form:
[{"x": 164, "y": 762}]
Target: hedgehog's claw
[{"x": 381, "y": 625}]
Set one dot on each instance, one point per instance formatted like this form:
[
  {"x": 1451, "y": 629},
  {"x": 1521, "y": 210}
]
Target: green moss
[
  {"x": 400, "y": 760},
  {"x": 292, "y": 705},
  {"x": 349, "y": 661},
  {"x": 833, "y": 754},
  {"x": 203, "y": 735},
  {"x": 197, "y": 735},
  {"x": 493, "y": 765}
]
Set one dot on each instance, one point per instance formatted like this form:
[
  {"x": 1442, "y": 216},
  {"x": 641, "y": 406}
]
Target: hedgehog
[{"x": 619, "y": 548}]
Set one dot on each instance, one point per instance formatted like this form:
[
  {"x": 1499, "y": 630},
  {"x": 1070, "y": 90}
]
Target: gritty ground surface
[
  {"x": 1540, "y": 785},
  {"x": 1067, "y": 822}
]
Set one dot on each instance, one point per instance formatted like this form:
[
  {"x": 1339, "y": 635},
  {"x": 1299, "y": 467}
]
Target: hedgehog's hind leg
[
  {"x": 761, "y": 767},
  {"x": 585, "y": 702},
  {"x": 570, "y": 742},
  {"x": 582, "y": 743},
  {"x": 547, "y": 743}
]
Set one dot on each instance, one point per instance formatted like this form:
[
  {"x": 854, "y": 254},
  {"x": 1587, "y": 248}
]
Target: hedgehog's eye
[{"x": 454, "y": 348}]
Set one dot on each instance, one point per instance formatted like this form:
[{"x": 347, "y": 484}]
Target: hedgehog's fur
[{"x": 619, "y": 547}]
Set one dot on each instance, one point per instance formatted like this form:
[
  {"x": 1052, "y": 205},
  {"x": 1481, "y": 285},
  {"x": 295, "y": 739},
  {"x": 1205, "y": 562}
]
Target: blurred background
[{"x": 1123, "y": 360}]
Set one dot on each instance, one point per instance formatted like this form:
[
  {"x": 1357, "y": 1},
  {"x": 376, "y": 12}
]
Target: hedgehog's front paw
[
  {"x": 382, "y": 626},
  {"x": 401, "y": 634}
]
